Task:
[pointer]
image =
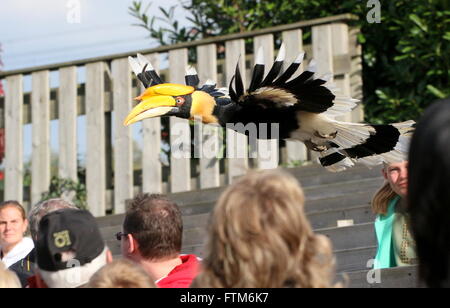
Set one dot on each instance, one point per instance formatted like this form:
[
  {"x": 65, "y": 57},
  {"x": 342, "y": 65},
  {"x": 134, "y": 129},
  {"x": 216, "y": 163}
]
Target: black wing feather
[
  {"x": 273, "y": 73},
  {"x": 239, "y": 83},
  {"x": 257, "y": 77},
  {"x": 287, "y": 74}
]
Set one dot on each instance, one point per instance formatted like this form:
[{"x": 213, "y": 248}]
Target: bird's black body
[{"x": 283, "y": 120}]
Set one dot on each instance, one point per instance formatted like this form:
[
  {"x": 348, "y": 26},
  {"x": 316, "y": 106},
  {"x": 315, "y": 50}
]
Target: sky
[
  {"x": 36, "y": 32},
  {"x": 39, "y": 32}
]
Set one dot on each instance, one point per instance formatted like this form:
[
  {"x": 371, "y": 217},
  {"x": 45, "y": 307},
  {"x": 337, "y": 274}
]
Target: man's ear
[
  {"x": 132, "y": 244},
  {"x": 109, "y": 257}
]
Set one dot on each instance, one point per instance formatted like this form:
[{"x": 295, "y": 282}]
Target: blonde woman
[
  {"x": 8, "y": 279},
  {"x": 395, "y": 243},
  {"x": 259, "y": 237},
  {"x": 16, "y": 250}
]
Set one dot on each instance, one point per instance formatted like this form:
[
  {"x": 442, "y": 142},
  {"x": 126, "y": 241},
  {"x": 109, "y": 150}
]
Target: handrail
[{"x": 161, "y": 49}]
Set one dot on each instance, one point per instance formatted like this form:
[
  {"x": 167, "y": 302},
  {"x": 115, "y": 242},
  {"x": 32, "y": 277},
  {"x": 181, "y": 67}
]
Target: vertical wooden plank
[
  {"x": 322, "y": 46},
  {"x": 14, "y": 138},
  {"x": 95, "y": 154},
  {"x": 237, "y": 144},
  {"x": 67, "y": 127},
  {"x": 151, "y": 131},
  {"x": 123, "y": 151},
  {"x": 40, "y": 113},
  {"x": 268, "y": 150},
  {"x": 293, "y": 39},
  {"x": 180, "y": 135},
  {"x": 341, "y": 46},
  {"x": 295, "y": 150},
  {"x": 208, "y": 137},
  {"x": 356, "y": 82}
]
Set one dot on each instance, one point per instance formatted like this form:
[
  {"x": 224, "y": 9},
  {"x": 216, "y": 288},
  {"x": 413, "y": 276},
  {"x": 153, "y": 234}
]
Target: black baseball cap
[{"x": 68, "y": 230}]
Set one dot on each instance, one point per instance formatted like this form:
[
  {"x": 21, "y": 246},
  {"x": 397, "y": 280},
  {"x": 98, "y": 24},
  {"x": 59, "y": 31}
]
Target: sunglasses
[{"x": 119, "y": 235}]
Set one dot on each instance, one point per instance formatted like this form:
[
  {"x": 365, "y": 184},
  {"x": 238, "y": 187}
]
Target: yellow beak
[
  {"x": 154, "y": 106},
  {"x": 166, "y": 89},
  {"x": 157, "y": 101}
]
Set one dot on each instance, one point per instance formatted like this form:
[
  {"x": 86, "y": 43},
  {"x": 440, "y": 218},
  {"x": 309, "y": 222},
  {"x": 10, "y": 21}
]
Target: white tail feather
[{"x": 351, "y": 134}]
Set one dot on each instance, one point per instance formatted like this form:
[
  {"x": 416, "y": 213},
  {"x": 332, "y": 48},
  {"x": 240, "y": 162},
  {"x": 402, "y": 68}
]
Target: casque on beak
[
  {"x": 157, "y": 101},
  {"x": 151, "y": 107}
]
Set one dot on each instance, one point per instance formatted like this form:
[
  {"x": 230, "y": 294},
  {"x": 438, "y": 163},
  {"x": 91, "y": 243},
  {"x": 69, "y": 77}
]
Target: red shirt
[{"x": 182, "y": 275}]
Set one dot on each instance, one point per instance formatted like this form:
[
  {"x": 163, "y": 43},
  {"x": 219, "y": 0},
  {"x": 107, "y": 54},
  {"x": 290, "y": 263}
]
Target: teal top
[{"x": 385, "y": 257}]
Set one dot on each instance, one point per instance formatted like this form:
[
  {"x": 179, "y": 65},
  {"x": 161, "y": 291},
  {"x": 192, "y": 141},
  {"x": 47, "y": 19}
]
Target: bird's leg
[{"x": 326, "y": 136}]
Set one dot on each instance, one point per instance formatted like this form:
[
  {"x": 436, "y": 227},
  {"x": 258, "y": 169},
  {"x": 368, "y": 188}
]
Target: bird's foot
[
  {"x": 326, "y": 136},
  {"x": 315, "y": 147}
]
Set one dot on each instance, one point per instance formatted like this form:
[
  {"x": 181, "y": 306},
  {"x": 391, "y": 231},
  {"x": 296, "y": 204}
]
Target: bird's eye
[{"x": 180, "y": 100}]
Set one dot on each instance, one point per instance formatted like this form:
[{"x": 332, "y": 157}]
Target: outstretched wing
[{"x": 278, "y": 90}]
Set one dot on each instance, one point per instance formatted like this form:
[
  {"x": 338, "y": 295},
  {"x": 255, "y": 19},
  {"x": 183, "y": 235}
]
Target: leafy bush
[
  {"x": 406, "y": 57},
  {"x": 68, "y": 189}
]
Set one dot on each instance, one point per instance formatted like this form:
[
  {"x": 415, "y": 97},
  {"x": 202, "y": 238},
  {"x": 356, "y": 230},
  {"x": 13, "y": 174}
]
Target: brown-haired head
[
  {"x": 259, "y": 237},
  {"x": 121, "y": 274},
  {"x": 15, "y": 204},
  {"x": 156, "y": 224}
]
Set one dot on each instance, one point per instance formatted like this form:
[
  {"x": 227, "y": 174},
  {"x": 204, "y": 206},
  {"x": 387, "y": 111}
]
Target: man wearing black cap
[{"x": 70, "y": 249}]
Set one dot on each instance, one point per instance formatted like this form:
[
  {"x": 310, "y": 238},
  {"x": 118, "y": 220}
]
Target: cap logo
[{"x": 62, "y": 239}]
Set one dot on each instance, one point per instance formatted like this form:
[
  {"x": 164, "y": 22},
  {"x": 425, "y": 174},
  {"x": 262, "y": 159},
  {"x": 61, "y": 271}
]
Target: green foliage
[
  {"x": 170, "y": 33},
  {"x": 60, "y": 188},
  {"x": 406, "y": 57}
]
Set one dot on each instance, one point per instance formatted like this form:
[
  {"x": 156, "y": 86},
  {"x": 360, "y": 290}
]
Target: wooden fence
[{"x": 110, "y": 86}]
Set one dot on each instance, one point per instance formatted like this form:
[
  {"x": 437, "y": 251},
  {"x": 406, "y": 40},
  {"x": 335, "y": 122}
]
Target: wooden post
[
  {"x": 14, "y": 138},
  {"x": 341, "y": 46},
  {"x": 40, "y": 165},
  {"x": 123, "y": 151},
  {"x": 237, "y": 144},
  {"x": 95, "y": 156},
  {"x": 68, "y": 123},
  {"x": 151, "y": 164},
  {"x": 207, "y": 140},
  {"x": 356, "y": 82},
  {"x": 268, "y": 156},
  {"x": 295, "y": 150},
  {"x": 322, "y": 45},
  {"x": 323, "y": 49},
  {"x": 180, "y": 135}
]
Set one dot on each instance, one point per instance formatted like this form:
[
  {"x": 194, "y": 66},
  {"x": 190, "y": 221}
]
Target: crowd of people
[{"x": 258, "y": 233}]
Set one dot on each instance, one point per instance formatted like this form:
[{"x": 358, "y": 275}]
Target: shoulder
[{"x": 391, "y": 206}]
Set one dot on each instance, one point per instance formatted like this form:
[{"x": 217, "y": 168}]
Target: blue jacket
[{"x": 385, "y": 257}]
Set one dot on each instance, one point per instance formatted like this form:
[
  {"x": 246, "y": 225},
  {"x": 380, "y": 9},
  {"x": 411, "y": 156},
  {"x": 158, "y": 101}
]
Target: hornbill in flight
[{"x": 303, "y": 106}]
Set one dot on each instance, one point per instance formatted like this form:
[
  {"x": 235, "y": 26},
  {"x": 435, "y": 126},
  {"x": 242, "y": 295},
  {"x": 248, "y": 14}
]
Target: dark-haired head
[
  {"x": 156, "y": 224},
  {"x": 429, "y": 193}
]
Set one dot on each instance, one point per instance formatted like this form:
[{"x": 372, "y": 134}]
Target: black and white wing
[{"x": 305, "y": 92}]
